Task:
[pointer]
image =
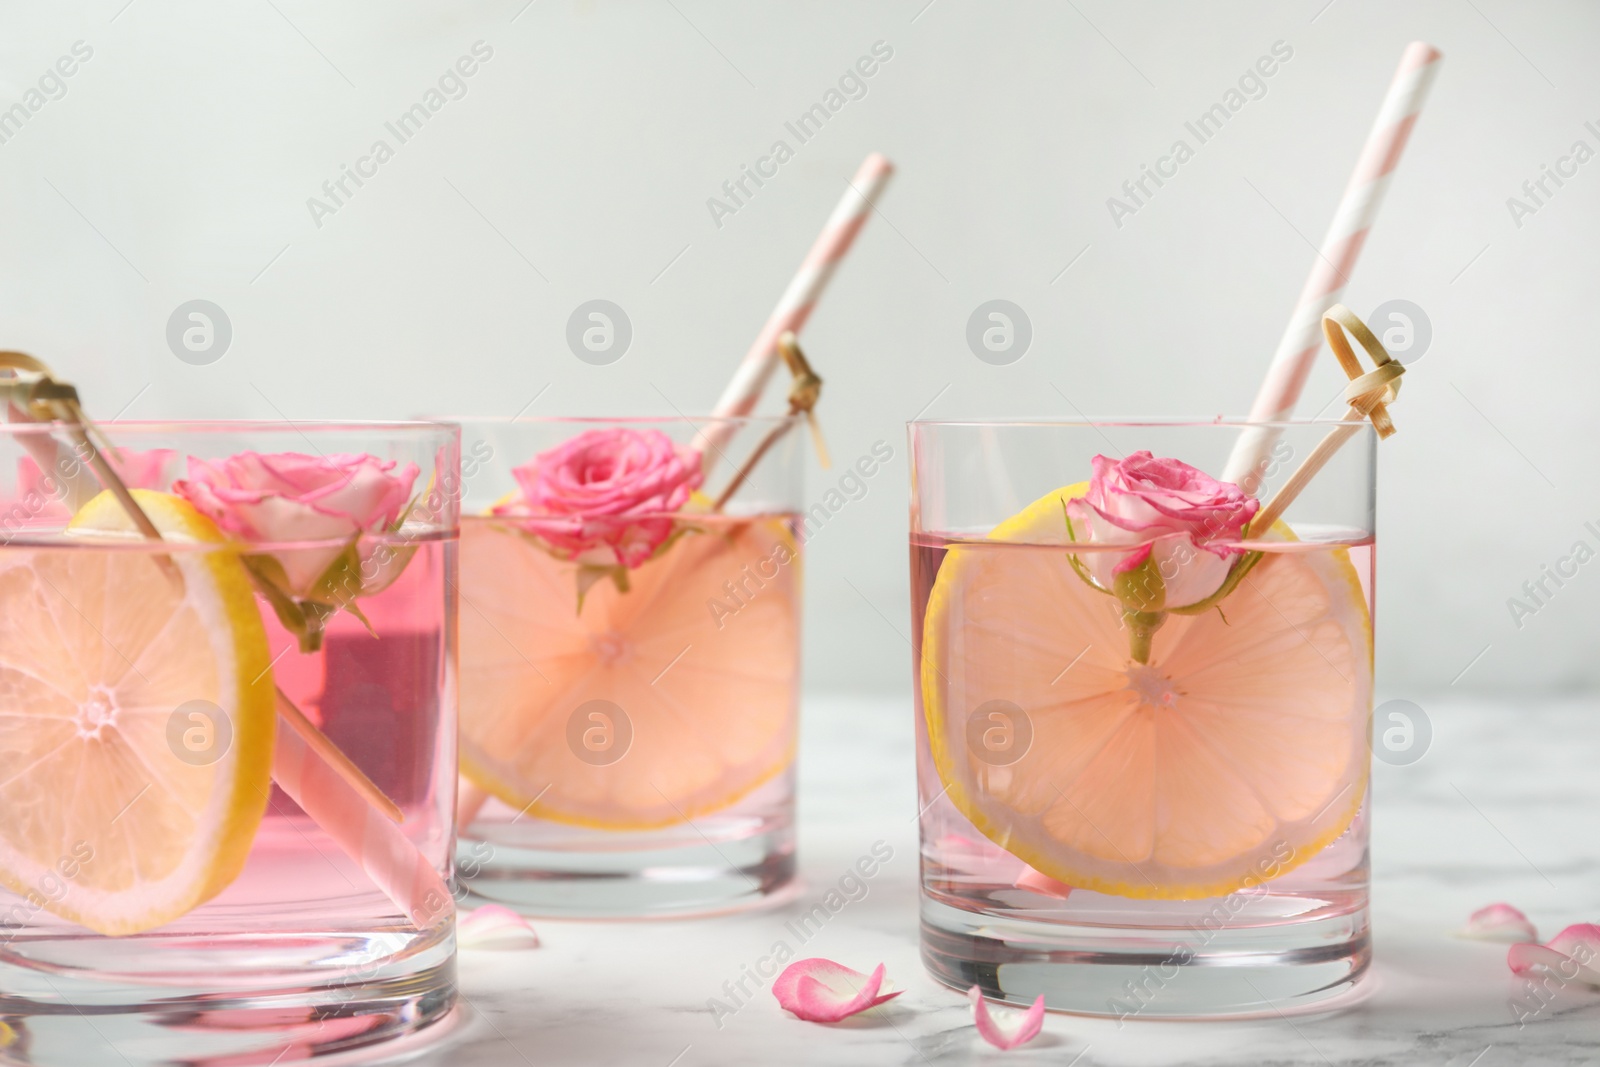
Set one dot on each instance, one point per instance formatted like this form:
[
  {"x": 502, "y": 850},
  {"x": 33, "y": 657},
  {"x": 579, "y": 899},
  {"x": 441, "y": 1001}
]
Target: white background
[{"x": 578, "y": 165}]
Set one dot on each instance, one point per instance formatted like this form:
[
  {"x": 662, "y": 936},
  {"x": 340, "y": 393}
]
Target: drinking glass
[
  {"x": 629, "y": 732},
  {"x": 1137, "y": 806},
  {"x": 227, "y": 754}
]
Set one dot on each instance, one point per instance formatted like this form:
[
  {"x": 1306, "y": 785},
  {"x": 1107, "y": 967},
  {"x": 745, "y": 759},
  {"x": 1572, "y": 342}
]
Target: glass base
[
  {"x": 243, "y": 998},
  {"x": 684, "y": 881},
  {"x": 1150, "y": 973}
]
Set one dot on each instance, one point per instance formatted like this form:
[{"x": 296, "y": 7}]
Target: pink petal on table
[
  {"x": 1573, "y": 955},
  {"x": 822, "y": 991},
  {"x": 495, "y": 926},
  {"x": 1039, "y": 882},
  {"x": 1499, "y": 922},
  {"x": 1023, "y": 1026}
]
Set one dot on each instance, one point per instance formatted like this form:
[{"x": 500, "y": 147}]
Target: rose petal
[
  {"x": 1499, "y": 922},
  {"x": 1573, "y": 954},
  {"x": 494, "y": 927},
  {"x": 822, "y": 991},
  {"x": 1017, "y": 1028},
  {"x": 608, "y": 490},
  {"x": 1173, "y": 512},
  {"x": 1039, "y": 882},
  {"x": 1132, "y": 561},
  {"x": 1190, "y": 573},
  {"x": 288, "y": 498},
  {"x": 1585, "y": 934}
]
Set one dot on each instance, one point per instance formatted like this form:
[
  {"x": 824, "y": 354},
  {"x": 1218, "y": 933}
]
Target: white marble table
[{"x": 1504, "y": 806}]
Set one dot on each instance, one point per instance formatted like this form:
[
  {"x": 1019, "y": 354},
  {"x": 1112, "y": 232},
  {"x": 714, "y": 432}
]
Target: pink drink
[
  {"x": 383, "y": 698},
  {"x": 664, "y": 721},
  {"x": 299, "y": 952},
  {"x": 964, "y": 871},
  {"x": 1162, "y": 823},
  {"x": 629, "y": 730}
]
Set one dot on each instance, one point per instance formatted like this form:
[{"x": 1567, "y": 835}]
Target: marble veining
[{"x": 1504, "y": 806}]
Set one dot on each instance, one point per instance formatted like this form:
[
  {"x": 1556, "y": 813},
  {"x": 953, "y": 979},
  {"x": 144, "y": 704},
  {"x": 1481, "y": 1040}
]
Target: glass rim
[
  {"x": 1236, "y": 422},
  {"x": 394, "y": 426},
  {"x": 694, "y": 419}
]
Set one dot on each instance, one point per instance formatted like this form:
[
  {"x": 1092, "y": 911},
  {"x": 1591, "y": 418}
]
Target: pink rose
[
  {"x": 605, "y": 497},
  {"x": 286, "y": 497},
  {"x": 1174, "y": 513}
]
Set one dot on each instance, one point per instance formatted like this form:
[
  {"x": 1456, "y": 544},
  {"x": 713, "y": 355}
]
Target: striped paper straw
[
  {"x": 1336, "y": 258},
  {"x": 377, "y": 845},
  {"x": 794, "y": 306}
]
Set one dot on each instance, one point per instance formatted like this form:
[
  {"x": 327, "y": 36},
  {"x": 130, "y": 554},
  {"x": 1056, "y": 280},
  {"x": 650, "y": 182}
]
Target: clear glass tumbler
[
  {"x": 227, "y": 740},
  {"x": 1143, "y": 717},
  {"x": 630, "y": 638}
]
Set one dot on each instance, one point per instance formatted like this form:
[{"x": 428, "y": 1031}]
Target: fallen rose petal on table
[
  {"x": 495, "y": 926},
  {"x": 1013, "y": 1028},
  {"x": 822, "y": 991},
  {"x": 1498, "y": 922},
  {"x": 1572, "y": 955}
]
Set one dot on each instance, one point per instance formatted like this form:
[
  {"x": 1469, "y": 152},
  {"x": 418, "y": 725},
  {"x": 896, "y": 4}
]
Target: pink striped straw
[
  {"x": 794, "y": 306},
  {"x": 377, "y": 845},
  {"x": 1336, "y": 258}
]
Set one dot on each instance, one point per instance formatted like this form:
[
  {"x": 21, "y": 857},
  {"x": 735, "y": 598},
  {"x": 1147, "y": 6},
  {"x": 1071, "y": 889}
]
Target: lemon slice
[
  {"x": 689, "y": 708},
  {"x": 126, "y": 806},
  {"x": 1235, "y": 755}
]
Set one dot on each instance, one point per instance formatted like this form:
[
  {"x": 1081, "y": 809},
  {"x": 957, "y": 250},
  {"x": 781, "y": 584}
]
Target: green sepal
[
  {"x": 361, "y": 617},
  {"x": 271, "y": 582},
  {"x": 306, "y": 617},
  {"x": 340, "y": 583},
  {"x": 1141, "y": 589},
  {"x": 590, "y": 573}
]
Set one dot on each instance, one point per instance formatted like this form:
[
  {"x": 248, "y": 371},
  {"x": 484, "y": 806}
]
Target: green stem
[{"x": 1142, "y": 626}]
